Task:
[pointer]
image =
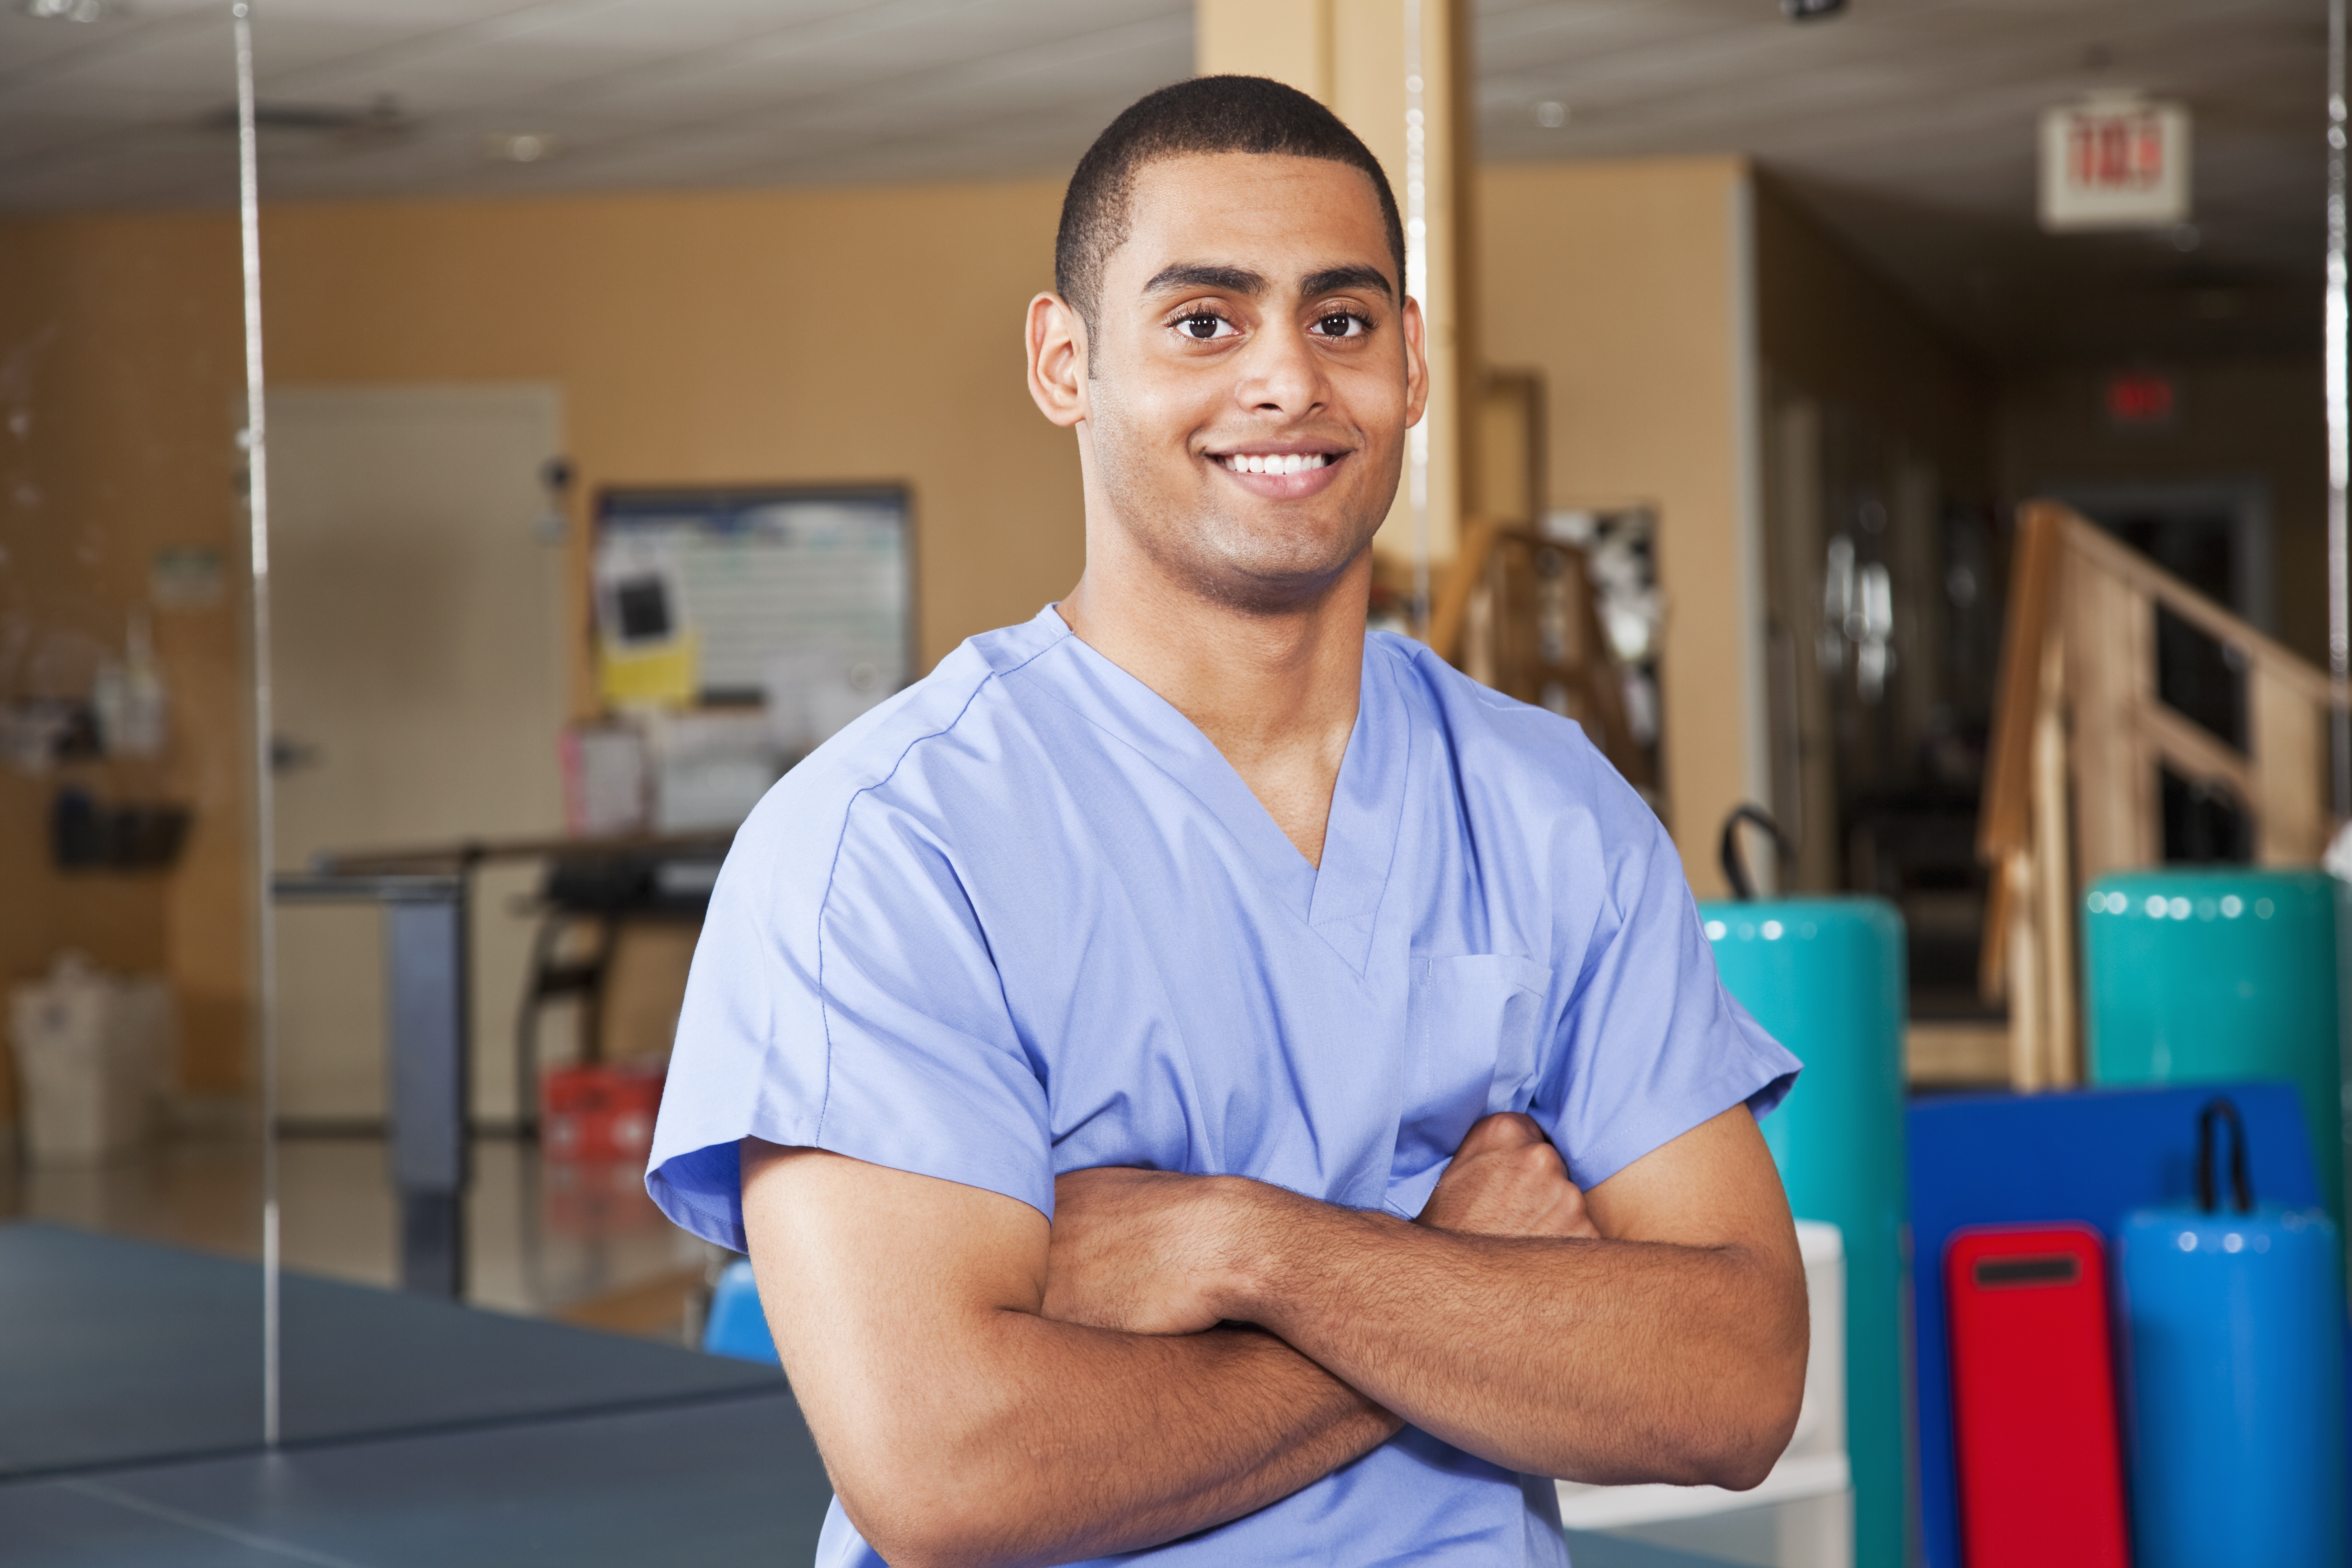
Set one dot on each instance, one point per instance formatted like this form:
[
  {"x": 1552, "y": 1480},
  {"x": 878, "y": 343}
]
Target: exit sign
[
  {"x": 2141, "y": 399},
  {"x": 2115, "y": 163}
]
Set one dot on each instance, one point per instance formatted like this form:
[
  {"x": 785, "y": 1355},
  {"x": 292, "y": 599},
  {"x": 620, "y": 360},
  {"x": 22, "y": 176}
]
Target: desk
[{"x": 425, "y": 895}]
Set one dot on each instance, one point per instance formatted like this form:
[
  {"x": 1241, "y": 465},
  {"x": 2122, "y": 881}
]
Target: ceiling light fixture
[
  {"x": 1811, "y": 10},
  {"x": 64, "y": 10},
  {"x": 1551, "y": 116},
  {"x": 522, "y": 146}
]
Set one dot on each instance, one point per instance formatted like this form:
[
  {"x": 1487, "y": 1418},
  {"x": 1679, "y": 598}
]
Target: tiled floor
[{"x": 581, "y": 1242}]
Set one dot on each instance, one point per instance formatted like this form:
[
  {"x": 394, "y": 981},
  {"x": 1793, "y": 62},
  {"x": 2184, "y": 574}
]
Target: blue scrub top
[{"x": 1024, "y": 919}]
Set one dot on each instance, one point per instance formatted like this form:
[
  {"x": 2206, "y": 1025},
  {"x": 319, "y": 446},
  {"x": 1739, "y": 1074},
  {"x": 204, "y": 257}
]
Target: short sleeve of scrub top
[
  {"x": 868, "y": 1020},
  {"x": 1649, "y": 1043}
]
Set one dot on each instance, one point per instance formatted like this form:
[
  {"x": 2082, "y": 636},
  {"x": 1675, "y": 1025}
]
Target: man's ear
[
  {"x": 1416, "y": 364},
  {"x": 1057, "y": 359}
]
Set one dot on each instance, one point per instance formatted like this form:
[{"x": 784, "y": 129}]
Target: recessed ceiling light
[
  {"x": 1551, "y": 116},
  {"x": 64, "y": 10},
  {"x": 1811, "y": 10},
  {"x": 521, "y": 146}
]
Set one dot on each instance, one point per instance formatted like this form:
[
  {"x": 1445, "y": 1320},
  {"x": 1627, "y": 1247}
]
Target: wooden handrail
[
  {"x": 2005, "y": 818},
  {"x": 1453, "y": 606},
  {"x": 2211, "y": 617}
]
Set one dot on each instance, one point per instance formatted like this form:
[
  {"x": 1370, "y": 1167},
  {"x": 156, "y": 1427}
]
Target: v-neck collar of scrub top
[{"x": 1341, "y": 900}]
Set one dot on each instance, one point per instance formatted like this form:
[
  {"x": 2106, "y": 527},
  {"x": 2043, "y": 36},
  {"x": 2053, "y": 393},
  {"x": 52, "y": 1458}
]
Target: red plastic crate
[{"x": 600, "y": 1112}]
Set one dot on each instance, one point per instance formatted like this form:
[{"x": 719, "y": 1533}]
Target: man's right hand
[{"x": 1507, "y": 1180}]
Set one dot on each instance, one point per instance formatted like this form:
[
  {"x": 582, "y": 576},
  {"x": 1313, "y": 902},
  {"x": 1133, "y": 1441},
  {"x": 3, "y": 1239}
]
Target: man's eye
[
  {"x": 1204, "y": 327},
  {"x": 1340, "y": 324}
]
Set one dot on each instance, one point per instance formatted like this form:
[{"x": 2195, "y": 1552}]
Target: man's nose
[{"x": 1282, "y": 373}]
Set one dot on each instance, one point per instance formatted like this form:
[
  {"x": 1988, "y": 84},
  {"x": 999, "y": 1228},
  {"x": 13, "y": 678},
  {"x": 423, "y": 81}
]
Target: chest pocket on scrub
[{"x": 1477, "y": 1027}]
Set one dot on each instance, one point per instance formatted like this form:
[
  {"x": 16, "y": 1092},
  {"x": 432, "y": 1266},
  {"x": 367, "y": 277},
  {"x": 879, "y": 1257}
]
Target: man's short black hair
[{"x": 1207, "y": 114}]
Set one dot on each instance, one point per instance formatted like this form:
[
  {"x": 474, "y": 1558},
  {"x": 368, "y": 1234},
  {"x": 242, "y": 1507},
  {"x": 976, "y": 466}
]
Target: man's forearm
[
  {"x": 1601, "y": 1361},
  {"x": 1066, "y": 1442}
]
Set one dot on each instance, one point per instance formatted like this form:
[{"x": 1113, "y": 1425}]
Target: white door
[{"x": 416, "y": 654}]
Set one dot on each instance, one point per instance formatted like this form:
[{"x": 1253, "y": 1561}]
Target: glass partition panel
[
  {"x": 579, "y": 539},
  {"x": 130, "y": 1146}
]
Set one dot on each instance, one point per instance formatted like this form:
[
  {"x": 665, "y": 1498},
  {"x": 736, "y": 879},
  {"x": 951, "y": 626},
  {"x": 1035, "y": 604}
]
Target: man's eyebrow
[
  {"x": 1332, "y": 280},
  {"x": 1204, "y": 274}
]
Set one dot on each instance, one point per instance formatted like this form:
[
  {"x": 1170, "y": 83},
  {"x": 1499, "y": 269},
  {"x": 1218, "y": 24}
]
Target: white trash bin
[{"x": 91, "y": 1049}]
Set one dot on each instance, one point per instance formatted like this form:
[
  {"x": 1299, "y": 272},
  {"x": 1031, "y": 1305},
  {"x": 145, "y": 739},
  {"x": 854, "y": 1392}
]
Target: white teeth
[{"x": 1292, "y": 463}]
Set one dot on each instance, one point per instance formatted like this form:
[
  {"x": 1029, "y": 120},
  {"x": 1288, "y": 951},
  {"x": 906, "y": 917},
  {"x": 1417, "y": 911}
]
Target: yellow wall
[
  {"x": 120, "y": 371},
  {"x": 1623, "y": 283},
  {"x": 804, "y": 336}
]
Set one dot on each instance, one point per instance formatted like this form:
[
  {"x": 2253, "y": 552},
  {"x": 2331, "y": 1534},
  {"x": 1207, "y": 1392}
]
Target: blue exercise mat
[
  {"x": 116, "y": 1352},
  {"x": 727, "y": 1480},
  {"x": 2091, "y": 1155},
  {"x": 730, "y": 1480}
]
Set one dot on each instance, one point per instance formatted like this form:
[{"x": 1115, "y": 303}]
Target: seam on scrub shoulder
[
  {"x": 1117, "y": 738},
  {"x": 833, "y": 869},
  {"x": 1411, "y": 653}
]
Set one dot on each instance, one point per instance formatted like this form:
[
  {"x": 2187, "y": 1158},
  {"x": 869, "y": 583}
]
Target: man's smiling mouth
[{"x": 1275, "y": 462}]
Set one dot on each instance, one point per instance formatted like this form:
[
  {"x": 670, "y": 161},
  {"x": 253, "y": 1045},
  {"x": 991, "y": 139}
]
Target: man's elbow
[
  {"x": 917, "y": 1515},
  {"x": 1746, "y": 1451},
  {"x": 918, "y": 1538},
  {"x": 1746, "y": 1428}
]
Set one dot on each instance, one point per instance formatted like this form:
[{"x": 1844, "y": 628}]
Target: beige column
[{"x": 1357, "y": 57}]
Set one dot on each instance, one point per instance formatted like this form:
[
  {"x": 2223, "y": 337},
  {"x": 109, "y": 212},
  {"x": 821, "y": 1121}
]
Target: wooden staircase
[{"x": 2083, "y": 740}]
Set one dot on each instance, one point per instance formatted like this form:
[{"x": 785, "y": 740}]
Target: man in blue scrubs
[{"x": 1193, "y": 1077}]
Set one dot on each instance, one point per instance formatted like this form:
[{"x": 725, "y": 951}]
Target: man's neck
[{"x": 1275, "y": 692}]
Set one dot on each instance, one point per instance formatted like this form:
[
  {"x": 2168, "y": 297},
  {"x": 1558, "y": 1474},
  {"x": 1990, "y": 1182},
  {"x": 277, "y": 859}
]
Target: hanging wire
[
  {"x": 1416, "y": 285},
  {"x": 265, "y": 936},
  {"x": 2339, "y": 436}
]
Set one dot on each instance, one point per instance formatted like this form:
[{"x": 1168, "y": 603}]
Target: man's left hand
[{"x": 1145, "y": 1252}]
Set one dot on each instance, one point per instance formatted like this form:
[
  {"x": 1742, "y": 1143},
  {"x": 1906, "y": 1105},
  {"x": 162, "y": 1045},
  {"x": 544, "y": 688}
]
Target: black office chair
[{"x": 602, "y": 892}]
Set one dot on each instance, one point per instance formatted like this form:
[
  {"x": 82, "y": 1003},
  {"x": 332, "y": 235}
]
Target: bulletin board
[{"x": 760, "y": 573}]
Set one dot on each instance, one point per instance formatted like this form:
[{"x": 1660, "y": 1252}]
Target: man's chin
[{"x": 1259, "y": 582}]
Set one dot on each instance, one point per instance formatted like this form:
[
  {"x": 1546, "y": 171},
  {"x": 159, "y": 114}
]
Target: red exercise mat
[{"x": 2033, "y": 1398}]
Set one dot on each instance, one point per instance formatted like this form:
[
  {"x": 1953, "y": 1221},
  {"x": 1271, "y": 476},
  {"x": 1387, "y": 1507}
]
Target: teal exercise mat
[
  {"x": 1826, "y": 976},
  {"x": 115, "y": 1352},
  {"x": 2195, "y": 976}
]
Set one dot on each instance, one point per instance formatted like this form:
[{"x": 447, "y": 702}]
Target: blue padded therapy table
[{"x": 416, "y": 1432}]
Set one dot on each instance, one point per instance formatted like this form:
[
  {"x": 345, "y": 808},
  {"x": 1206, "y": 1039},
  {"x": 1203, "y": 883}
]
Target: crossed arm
[{"x": 1175, "y": 1352}]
